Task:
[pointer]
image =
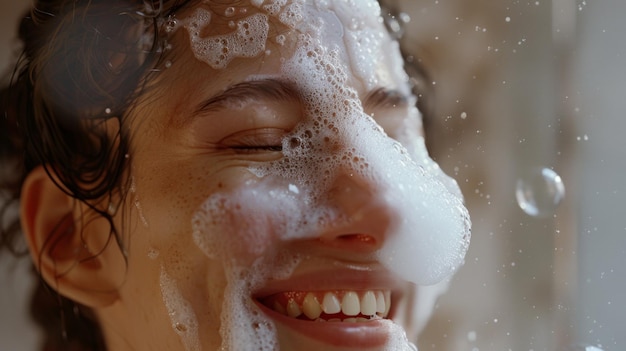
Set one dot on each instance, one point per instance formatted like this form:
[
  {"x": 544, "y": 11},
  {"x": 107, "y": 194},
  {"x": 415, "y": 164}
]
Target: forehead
[
  {"x": 220, "y": 33},
  {"x": 215, "y": 45}
]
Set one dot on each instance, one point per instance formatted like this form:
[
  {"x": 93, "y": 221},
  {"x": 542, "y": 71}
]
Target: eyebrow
[
  {"x": 385, "y": 98},
  {"x": 264, "y": 89},
  {"x": 282, "y": 91}
]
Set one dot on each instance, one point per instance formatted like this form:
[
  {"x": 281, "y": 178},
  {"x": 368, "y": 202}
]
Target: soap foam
[
  {"x": 274, "y": 7},
  {"x": 398, "y": 340},
  {"x": 248, "y": 40},
  {"x": 243, "y": 325},
  {"x": 182, "y": 315},
  {"x": 247, "y": 264},
  {"x": 339, "y": 39},
  {"x": 292, "y": 15}
]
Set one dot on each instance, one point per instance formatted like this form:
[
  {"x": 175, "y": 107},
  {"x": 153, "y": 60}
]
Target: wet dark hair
[{"x": 83, "y": 65}]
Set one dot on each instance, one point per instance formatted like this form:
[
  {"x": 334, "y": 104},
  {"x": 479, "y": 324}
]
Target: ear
[{"x": 77, "y": 257}]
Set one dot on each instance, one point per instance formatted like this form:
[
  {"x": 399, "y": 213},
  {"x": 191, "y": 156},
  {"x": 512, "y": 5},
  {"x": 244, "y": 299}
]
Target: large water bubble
[{"x": 540, "y": 192}]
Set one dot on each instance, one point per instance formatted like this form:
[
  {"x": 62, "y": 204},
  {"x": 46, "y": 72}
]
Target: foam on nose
[{"x": 429, "y": 242}]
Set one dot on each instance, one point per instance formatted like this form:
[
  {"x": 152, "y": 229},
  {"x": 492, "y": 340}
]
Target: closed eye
[
  {"x": 255, "y": 141},
  {"x": 248, "y": 149}
]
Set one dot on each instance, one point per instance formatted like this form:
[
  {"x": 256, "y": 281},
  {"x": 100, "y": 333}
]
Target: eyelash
[
  {"x": 260, "y": 148},
  {"x": 264, "y": 140}
]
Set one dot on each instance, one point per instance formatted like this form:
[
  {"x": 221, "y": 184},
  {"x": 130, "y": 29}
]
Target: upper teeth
[{"x": 346, "y": 305}]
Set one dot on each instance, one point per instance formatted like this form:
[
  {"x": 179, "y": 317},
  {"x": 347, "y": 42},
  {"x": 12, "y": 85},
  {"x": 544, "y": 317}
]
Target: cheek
[
  {"x": 253, "y": 219},
  {"x": 164, "y": 196},
  {"x": 238, "y": 228},
  {"x": 191, "y": 289},
  {"x": 186, "y": 284}
]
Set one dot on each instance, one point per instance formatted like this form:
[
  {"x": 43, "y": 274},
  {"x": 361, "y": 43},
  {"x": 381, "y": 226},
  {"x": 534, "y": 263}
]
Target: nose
[{"x": 364, "y": 212}]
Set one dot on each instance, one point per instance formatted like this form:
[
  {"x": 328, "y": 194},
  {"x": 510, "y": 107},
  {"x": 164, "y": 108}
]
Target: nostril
[
  {"x": 354, "y": 242},
  {"x": 357, "y": 238}
]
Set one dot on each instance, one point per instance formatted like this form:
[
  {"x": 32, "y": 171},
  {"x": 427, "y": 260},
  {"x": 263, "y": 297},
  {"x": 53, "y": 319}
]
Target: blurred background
[{"x": 527, "y": 114}]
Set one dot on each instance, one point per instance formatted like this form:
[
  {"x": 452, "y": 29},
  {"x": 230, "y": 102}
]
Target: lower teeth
[{"x": 350, "y": 319}]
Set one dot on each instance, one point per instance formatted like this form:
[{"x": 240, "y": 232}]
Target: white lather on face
[{"x": 341, "y": 52}]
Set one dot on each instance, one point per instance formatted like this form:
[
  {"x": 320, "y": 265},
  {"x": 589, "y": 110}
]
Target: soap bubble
[{"x": 540, "y": 192}]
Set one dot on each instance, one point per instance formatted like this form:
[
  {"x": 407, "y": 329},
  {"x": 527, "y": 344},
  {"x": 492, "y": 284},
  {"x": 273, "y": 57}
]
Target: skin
[{"x": 171, "y": 293}]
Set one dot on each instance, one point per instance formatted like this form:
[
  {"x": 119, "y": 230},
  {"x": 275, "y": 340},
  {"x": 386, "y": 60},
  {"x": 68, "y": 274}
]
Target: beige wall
[
  {"x": 497, "y": 73},
  {"x": 541, "y": 83},
  {"x": 16, "y": 331},
  {"x": 9, "y": 10}
]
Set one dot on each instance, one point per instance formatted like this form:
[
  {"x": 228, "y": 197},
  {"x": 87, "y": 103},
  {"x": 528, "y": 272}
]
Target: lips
[{"x": 345, "y": 308}]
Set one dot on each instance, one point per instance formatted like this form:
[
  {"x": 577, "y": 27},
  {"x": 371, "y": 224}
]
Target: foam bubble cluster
[
  {"x": 248, "y": 263},
  {"x": 247, "y": 41},
  {"x": 182, "y": 315}
]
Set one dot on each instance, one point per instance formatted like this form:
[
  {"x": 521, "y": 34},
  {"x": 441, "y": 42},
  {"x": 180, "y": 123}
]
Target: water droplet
[
  {"x": 280, "y": 39},
  {"x": 153, "y": 254},
  {"x": 540, "y": 192},
  {"x": 112, "y": 209},
  {"x": 294, "y": 189},
  {"x": 171, "y": 25},
  {"x": 229, "y": 12}
]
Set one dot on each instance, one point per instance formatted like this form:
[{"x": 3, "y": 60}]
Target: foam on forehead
[{"x": 248, "y": 40}]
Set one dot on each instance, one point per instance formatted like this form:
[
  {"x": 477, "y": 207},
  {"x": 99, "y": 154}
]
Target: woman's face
[{"x": 282, "y": 196}]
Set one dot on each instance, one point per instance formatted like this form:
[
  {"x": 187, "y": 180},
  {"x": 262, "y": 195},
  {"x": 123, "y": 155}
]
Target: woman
[{"x": 241, "y": 175}]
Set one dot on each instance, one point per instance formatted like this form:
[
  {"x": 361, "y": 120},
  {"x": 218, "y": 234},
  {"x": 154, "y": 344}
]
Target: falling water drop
[
  {"x": 540, "y": 192},
  {"x": 153, "y": 254}
]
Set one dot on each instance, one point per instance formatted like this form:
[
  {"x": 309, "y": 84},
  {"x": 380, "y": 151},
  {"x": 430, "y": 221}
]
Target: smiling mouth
[{"x": 331, "y": 306}]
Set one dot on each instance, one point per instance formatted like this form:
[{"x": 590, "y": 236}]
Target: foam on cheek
[
  {"x": 182, "y": 315},
  {"x": 236, "y": 229},
  {"x": 242, "y": 325},
  {"x": 399, "y": 342},
  {"x": 243, "y": 225}
]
